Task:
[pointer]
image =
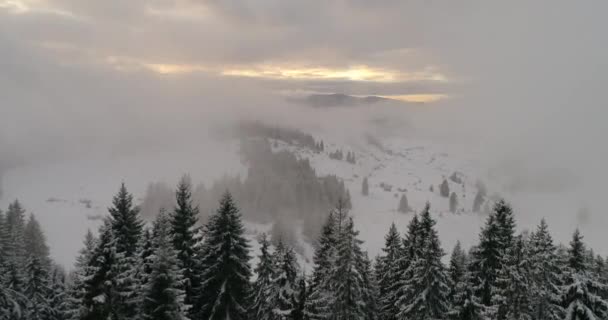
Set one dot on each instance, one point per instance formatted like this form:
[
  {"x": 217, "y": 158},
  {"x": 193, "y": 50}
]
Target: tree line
[{"x": 177, "y": 269}]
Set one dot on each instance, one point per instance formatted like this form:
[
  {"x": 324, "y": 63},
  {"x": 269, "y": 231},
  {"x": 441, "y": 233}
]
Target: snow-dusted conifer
[
  {"x": 581, "y": 294},
  {"x": 425, "y": 292},
  {"x": 183, "y": 230},
  {"x": 163, "y": 296},
  {"x": 511, "y": 297},
  {"x": 225, "y": 288},
  {"x": 388, "y": 273},
  {"x": 348, "y": 279},
  {"x": 546, "y": 275},
  {"x": 261, "y": 307}
]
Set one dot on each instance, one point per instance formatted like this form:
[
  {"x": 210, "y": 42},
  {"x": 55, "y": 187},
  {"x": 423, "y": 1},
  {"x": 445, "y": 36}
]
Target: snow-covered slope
[
  {"x": 404, "y": 167},
  {"x": 67, "y": 196}
]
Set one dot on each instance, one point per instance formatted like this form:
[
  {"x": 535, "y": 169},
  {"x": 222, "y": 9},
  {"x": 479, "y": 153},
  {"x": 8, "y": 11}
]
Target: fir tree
[
  {"x": 76, "y": 289},
  {"x": 125, "y": 222},
  {"x": 444, "y": 189},
  {"x": 58, "y": 307},
  {"x": 319, "y": 301},
  {"x": 495, "y": 238},
  {"x": 404, "y": 206},
  {"x": 225, "y": 281},
  {"x": 37, "y": 289},
  {"x": 511, "y": 297},
  {"x": 348, "y": 280},
  {"x": 183, "y": 230},
  {"x": 261, "y": 308},
  {"x": 370, "y": 289},
  {"x": 453, "y": 202},
  {"x": 465, "y": 304},
  {"x": 365, "y": 187},
  {"x": 546, "y": 275},
  {"x": 581, "y": 296},
  {"x": 426, "y": 291},
  {"x": 163, "y": 294},
  {"x": 97, "y": 299},
  {"x": 457, "y": 267},
  {"x": 388, "y": 273},
  {"x": 284, "y": 291},
  {"x": 35, "y": 241}
]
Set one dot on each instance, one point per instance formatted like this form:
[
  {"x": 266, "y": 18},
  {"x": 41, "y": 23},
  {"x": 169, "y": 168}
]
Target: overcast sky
[{"x": 526, "y": 79}]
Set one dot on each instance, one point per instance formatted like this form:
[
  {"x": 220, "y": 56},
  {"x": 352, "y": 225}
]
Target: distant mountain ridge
[{"x": 330, "y": 100}]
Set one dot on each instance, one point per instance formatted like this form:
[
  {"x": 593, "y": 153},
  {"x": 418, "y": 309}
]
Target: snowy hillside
[{"x": 69, "y": 197}]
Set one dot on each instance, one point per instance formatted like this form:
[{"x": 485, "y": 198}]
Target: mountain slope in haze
[{"x": 331, "y": 100}]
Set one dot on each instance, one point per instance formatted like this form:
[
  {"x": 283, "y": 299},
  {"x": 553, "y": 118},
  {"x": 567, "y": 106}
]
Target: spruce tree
[
  {"x": 261, "y": 307},
  {"x": 126, "y": 224},
  {"x": 76, "y": 289},
  {"x": 465, "y": 304},
  {"x": 97, "y": 302},
  {"x": 546, "y": 275},
  {"x": 457, "y": 267},
  {"x": 319, "y": 300},
  {"x": 426, "y": 290},
  {"x": 495, "y": 239},
  {"x": 284, "y": 291},
  {"x": 365, "y": 187},
  {"x": 163, "y": 293},
  {"x": 58, "y": 299},
  {"x": 511, "y": 297},
  {"x": 37, "y": 289},
  {"x": 444, "y": 189},
  {"x": 183, "y": 230},
  {"x": 388, "y": 273},
  {"x": 225, "y": 281},
  {"x": 348, "y": 280},
  {"x": 35, "y": 241},
  {"x": 404, "y": 206},
  {"x": 453, "y": 202},
  {"x": 126, "y": 229},
  {"x": 581, "y": 294}
]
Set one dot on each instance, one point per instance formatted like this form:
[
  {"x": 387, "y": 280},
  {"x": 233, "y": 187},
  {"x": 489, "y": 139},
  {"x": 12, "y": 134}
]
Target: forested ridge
[{"x": 177, "y": 268}]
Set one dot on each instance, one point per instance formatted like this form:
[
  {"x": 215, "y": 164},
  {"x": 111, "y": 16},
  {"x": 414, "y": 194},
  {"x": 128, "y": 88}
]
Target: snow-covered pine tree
[
  {"x": 581, "y": 294},
  {"x": 97, "y": 299},
  {"x": 388, "y": 273},
  {"x": 457, "y": 268},
  {"x": 261, "y": 307},
  {"x": 465, "y": 305},
  {"x": 163, "y": 296},
  {"x": 76, "y": 288},
  {"x": 225, "y": 280},
  {"x": 35, "y": 241},
  {"x": 284, "y": 291},
  {"x": 453, "y": 202},
  {"x": 365, "y": 187},
  {"x": 319, "y": 300},
  {"x": 183, "y": 230},
  {"x": 425, "y": 293},
  {"x": 444, "y": 189},
  {"x": 511, "y": 296},
  {"x": 37, "y": 289},
  {"x": 370, "y": 289},
  {"x": 126, "y": 224},
  {"x": 298, "y": 313},
  {"x": 58, "y": 295},
  {"x": 347, "y": 279},
  {"x": 404, "y": 206},
  {"x": 495, "y": 238},
  {"x": 546, "y": 275},
  {"x": 15, "y": 254},
  {"x": 411, "y": 250},
  {"x": 127, "y": 229}
]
